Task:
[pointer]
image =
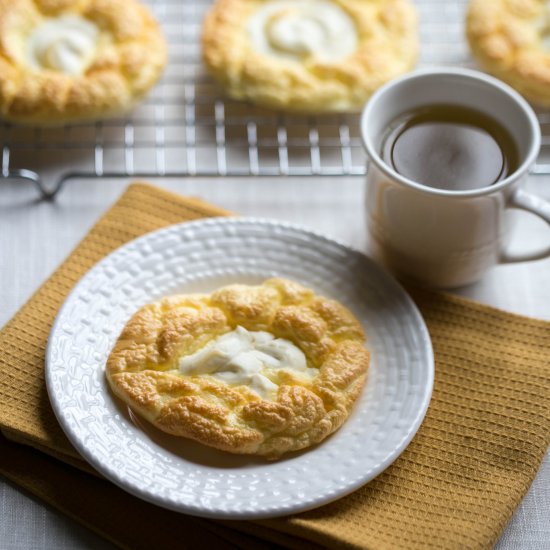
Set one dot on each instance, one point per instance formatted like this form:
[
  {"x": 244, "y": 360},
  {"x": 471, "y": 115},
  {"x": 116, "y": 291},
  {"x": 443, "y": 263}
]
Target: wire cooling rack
[{"x": 187, "y": 127}]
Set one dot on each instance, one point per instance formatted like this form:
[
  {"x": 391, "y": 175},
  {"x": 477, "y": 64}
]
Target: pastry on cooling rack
[
  {"x": 511, "y": 40},
  {"x": 260, "y": 370},
  {"x": 69, "y": 60},
  {"x": 309, "y": 55}
]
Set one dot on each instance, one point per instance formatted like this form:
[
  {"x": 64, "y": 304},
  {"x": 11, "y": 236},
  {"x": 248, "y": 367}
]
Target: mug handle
[{"x": 541, "y": 208}]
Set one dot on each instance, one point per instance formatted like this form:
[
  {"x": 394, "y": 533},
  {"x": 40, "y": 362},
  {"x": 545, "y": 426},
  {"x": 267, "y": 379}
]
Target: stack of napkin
[{"x": 455, "y": 486}]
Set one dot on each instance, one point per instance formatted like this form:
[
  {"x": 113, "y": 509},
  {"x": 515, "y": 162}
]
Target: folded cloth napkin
[{"x": 455, "y": 486}]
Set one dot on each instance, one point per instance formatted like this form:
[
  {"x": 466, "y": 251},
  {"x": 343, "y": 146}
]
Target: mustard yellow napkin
[{"x": 455, "y": 486}]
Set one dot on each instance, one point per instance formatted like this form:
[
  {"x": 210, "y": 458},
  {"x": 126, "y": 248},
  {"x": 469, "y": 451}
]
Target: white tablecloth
[{"x": 36, "y": 236}]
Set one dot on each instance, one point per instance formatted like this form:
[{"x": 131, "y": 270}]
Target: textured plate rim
[{"x": 266, "y": 512}]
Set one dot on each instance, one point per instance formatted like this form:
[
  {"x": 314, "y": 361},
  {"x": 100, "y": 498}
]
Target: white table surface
[{"x": 36, "y": 236}]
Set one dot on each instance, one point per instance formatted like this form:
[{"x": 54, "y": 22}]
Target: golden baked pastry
[
  {"x": 260, "y": 370},
  {"x": 309, "y": 55},
  {"x": 70, "y": 60},
  {"x": 511, "y": 40}
]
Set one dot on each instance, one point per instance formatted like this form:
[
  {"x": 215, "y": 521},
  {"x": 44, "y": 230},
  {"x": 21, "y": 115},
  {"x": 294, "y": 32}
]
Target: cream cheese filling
[
  {"x": 66, "y": 44},
  {"x": 249, "y": 358},
  {"x": 297, "y": 29}
]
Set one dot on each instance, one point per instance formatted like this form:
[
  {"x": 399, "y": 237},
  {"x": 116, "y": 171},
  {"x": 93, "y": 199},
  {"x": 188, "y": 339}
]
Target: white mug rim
[{"x": 522, "y": 169}]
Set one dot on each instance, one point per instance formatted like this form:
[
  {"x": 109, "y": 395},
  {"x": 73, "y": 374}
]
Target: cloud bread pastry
[
  {"x": 260, "y": 370},
  {"x": 511, "y": 39},
  {"x": 309, "y": 55},
  {"x": 70, "y": 60}
]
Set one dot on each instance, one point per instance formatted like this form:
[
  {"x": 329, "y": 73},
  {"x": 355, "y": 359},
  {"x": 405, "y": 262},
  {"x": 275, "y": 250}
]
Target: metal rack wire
[{"x": 187, "y": 127}]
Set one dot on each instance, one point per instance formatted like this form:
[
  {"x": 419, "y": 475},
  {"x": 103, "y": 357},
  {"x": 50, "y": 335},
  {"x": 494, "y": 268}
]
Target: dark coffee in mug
[{"x": 450, "y": 147}]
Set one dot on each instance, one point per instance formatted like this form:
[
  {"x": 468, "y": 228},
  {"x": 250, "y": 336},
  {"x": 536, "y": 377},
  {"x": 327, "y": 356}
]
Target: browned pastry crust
[
  {"x": 128, "y": 61},
  {"x": 387, "y": 46},
  {"x": 507, "y": 38},
  {"x": 143, "y": 368}
]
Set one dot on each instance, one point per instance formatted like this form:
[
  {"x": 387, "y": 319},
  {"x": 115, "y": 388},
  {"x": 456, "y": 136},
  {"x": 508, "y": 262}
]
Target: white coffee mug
[{"x": 440, "y": 237}]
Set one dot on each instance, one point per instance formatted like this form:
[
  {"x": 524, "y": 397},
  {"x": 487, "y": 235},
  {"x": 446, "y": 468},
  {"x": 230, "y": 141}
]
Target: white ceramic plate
[{"x": 183, "y": 475}]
